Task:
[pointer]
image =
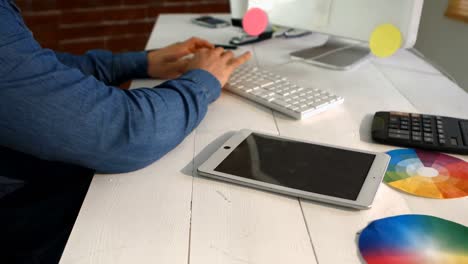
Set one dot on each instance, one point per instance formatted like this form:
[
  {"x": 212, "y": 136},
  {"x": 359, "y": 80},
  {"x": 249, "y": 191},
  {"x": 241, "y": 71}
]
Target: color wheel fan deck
[{"x": 427, "y": 174}]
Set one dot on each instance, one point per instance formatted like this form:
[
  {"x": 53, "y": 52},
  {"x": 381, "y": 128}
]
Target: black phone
[
  {"x": 211, "y": 22},
  {"x": 246, "y": 39}
]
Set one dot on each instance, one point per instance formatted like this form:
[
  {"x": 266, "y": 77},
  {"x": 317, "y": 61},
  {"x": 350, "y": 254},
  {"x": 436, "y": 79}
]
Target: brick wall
[{"x": 119, "y": 25}]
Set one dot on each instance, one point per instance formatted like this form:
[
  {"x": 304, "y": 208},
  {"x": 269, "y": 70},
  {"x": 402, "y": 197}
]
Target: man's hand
[
  {"x": 169, "y": 62},
  {"x": 218, "y": 62}
]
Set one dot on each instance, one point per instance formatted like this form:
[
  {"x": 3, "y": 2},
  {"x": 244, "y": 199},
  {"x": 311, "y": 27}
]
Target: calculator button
[
  {"x": 427, "y": 121},
  {"x": 404, "y": 118},
  {"x": 428, "y": 140},
  {"x": 394, "y": 119},
  {"x": 438, "y": 117},
  {"x": 427, "y": 125},
  {"x": 428, "y": 130},
  {"x": 440, "y": 131},
  {"x": 399, "y": 136},
  {"x": 398, "y": 131},
  {"x": 417, "y": 138},
  {"x": 394, "y": 126},
  {"x": 399, "y": 114},
  {"x": 464, "y": 128},
  {"x": 442, "y": 141},
  {"x": 441, "y": 136},
  {"x": 416, "y": 129},
  {"x": 427, "y": 134},
  {"x": 419, "y": 134},
  {"x": 404, "y": 123},
  {"x": 404, "y": 127},
  {"x": 453, "y": 141}
]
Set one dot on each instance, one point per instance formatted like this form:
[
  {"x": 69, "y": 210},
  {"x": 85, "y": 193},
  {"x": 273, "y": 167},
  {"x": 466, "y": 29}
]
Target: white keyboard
[{"x": 278, "y": 93}]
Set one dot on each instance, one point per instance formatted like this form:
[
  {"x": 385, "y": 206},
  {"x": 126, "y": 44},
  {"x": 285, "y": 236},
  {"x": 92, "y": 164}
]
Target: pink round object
[{"x": 255, "y": 21}]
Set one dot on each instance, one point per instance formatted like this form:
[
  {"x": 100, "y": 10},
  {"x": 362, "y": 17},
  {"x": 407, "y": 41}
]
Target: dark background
[{"x": 118, "y": 25}]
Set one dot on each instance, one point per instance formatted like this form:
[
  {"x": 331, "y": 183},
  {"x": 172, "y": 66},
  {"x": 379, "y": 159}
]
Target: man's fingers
[
  {"x": 178, "y": 54},
  {"x": 227, "y": 55},
  {"x": 198, "y": 43},
  {"x": 218, "y": 51},
  {"x": 236, "y": 62}
]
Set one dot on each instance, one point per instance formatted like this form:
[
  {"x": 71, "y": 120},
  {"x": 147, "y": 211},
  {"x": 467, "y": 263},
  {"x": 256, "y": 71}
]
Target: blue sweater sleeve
[
  {"x": 112, "y": 69},
  {"x": 56, "y": 112}
]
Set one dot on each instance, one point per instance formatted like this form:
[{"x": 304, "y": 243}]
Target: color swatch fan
[
  {"x": 427, "y": 174},
  {"x": 414, "y": 239}
]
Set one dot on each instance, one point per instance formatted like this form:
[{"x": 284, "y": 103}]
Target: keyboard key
[
  {"x": 320, "y": 104},
  {"x": 281, "y": 103},
  {"x": 266, "y": 84},
  {"x": 333, "y": 98}
]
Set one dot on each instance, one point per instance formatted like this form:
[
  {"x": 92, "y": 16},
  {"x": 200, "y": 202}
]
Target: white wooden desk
[{"x": 163, "y": 214}]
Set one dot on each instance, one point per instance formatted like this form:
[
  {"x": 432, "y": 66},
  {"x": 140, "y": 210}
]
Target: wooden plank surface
[{"x": 138, "y": 217}]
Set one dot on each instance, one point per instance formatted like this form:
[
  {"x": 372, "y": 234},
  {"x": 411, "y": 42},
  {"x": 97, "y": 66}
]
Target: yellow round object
[{"x": 385, "y": 41}]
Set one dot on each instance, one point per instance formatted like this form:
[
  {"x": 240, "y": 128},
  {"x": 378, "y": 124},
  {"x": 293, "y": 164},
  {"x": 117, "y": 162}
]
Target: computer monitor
[{"x": 349, "y": 23}]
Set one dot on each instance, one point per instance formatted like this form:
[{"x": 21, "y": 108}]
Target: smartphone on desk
[{"x": 210, "y": 22}]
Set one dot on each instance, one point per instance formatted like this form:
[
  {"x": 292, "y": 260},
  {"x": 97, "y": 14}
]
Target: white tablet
[{"x": 308, "y": 170}]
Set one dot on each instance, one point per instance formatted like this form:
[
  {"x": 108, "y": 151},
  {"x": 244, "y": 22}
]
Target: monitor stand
[{"x": 336, "y": 54}]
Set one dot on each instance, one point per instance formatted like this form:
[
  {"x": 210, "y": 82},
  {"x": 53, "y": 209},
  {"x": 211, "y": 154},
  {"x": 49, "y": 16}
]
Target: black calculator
[{"x": 439, "y": 133}]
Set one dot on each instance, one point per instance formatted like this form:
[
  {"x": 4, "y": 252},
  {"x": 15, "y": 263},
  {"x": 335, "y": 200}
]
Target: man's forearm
[{"x": 112, "y": 69}]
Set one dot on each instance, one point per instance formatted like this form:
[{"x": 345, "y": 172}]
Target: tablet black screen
[{"x": 308, "y": 167}]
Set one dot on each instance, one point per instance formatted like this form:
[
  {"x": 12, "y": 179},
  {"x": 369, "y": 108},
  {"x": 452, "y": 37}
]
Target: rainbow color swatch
[
  {"x": 414, "y": 239},
  {"x": 427, "y": 174}
]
